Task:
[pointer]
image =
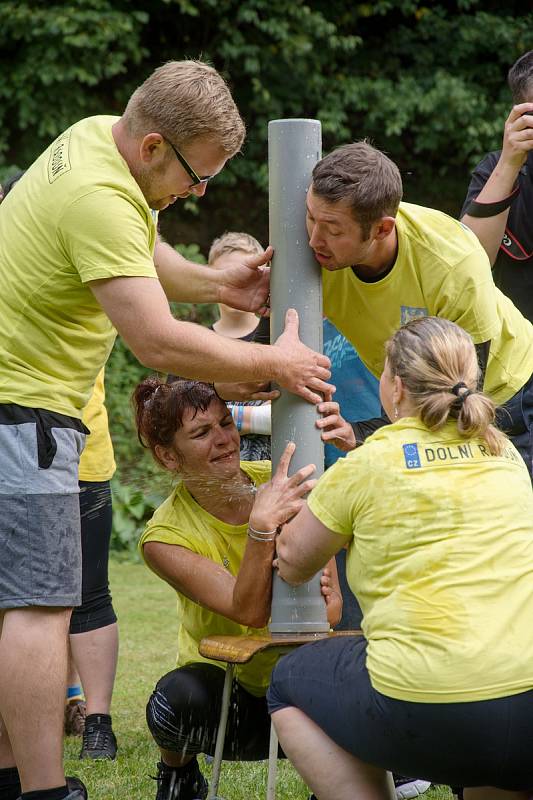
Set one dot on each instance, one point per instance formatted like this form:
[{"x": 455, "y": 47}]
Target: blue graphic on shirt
[
  {"x": 408, "y": 313},
  {"x": 357, "y": 389},
  {"x": 411, "y": 455}
]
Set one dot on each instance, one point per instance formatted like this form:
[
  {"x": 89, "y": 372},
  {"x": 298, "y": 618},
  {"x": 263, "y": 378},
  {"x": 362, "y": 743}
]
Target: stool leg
[
  {"x": 272, "y": 764},
  {"x": 221, "y": 733}
]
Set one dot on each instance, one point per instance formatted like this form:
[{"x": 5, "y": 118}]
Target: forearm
[
  {"x": 244, "y": 599},
  {"x": 191, "y": 351},
  {"x": 182, "y": 280},
  {"x": 139, "y": 310},
  {"x": 302, "y": 548},
  {"x": 252, "y": 419},
  {"x": 252, "y": 593},
  {"x": 490, "y": 230}
]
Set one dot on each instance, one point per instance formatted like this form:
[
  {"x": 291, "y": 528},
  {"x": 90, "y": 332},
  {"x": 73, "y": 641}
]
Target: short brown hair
[
  {"x": 186, "y": 100},
  {"x": 437, "y": 362},
  {"x": 160, "y": 406},
  {"x": 233, "y": 242},
  {"x": 520, "y": 79},
  {"x": 364, "y": 178}
]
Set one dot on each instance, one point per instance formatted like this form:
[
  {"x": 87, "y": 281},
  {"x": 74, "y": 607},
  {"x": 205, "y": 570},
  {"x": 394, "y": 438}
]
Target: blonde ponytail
[{"x": 437, "y": 362}]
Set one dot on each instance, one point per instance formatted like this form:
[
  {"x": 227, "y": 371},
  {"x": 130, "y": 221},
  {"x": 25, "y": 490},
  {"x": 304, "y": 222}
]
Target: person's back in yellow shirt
[{"x": 447, "y": 570}]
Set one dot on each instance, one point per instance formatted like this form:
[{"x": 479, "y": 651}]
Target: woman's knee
[{"x": 183, "y": 710}]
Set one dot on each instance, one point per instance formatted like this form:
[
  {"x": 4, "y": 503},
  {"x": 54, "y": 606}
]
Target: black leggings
[
  {"x": 184, "y": 710},
  {"x": 96, "y": 610}
]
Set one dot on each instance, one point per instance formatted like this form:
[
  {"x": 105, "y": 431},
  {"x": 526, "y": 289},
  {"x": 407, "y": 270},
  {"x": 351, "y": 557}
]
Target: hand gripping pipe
[{"x": 294, "y": 147}]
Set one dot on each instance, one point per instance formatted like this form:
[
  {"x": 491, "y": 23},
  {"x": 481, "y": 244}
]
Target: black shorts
[
  {"x": 484, "y": 743},
  {"x": 184, "y": 710},
  {"x": 96, "y": 610}
]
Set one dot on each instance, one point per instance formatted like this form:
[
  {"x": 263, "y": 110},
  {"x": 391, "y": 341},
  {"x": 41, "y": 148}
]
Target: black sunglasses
[{"x": 196, "y": 179}]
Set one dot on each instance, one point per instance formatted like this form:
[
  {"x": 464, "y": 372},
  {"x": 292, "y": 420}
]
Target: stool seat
[{"x": 239, "y": 650}]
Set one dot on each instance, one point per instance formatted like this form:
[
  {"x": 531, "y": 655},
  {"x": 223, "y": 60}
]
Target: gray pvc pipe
[{"x": 294, "y": 147}]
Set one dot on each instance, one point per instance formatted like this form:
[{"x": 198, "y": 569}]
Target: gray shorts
[{"x": 40, "y": 540}]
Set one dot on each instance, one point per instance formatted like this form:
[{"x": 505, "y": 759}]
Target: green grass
[{"x": 147, "y": 620}]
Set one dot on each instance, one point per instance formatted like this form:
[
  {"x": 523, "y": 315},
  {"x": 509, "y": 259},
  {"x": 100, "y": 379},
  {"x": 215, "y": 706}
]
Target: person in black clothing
[{"x": 499, "y": 202}]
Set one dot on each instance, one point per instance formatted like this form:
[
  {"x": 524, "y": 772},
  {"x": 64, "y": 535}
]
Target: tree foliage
[{"x": 425, "y": 81}]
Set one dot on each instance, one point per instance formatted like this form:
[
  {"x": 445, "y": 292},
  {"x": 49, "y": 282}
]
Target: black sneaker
[
  {"x": 76, "y": 788},
  {"x": 98, "y": 738},
  {"x": 180, "y": 783},
  {"x": 407, "y": 788}
]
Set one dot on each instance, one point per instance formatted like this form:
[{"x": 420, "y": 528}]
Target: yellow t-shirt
[
  {"x": 75, "y": 216},
  {"x": 181, "y": 521},
  {"x": 97, "y": 462},
  {"x": 440, "y": 558},
  {"x": 441, "y": 270}
]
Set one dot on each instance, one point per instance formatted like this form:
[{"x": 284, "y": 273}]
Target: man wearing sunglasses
[{"x": 80, "y": 259}]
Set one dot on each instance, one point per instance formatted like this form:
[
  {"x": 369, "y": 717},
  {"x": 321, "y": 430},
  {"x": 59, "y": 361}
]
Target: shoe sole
[{"x": 104, "y": 757}]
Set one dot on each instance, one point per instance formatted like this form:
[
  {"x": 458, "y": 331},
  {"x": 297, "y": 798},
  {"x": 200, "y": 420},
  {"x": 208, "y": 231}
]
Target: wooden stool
[{"x": 239, "y": 650}]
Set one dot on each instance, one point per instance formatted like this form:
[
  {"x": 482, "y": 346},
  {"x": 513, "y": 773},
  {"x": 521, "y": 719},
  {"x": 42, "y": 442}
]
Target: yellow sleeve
[
  {"x": 468, "y": 298},
  {"x": 166, "y": 534},
  {"x": 336, "y": 498},
  {"x": 107, "y": 235}
]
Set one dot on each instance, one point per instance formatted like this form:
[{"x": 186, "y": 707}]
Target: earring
[{"x": 396, "y": 412}]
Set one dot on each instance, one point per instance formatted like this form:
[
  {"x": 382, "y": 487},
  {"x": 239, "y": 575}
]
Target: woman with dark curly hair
[{"x": 208, "y": 542}]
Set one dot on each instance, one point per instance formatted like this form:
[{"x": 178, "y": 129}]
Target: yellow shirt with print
[
  {"x": 181, "y": 521},
  {"x": 441, "y": 270},
  {"x": 97, "y": 462},
  {"x": 76, "y": 215},
  {"x": 440, "y": 558}
]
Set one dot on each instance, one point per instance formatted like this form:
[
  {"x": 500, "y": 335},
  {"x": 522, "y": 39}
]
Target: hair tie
[{"x": 461, "y": 395}]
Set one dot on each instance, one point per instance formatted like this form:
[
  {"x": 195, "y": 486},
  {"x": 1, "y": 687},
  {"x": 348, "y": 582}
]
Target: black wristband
[{"x": 481, "y": 210}]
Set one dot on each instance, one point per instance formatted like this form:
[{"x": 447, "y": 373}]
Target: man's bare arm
[
  {"x": 183, "y": 280},
  {"x": 139, "y": 310},
  {"x": 245, "y": 286}
]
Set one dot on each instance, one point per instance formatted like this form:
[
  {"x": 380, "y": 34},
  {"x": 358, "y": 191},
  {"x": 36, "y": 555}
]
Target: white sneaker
[{"x": 407, "y": 788}]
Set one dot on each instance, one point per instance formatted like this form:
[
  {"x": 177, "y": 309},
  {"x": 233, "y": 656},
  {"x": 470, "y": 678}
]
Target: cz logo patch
[{"x": 412, "y": 458}]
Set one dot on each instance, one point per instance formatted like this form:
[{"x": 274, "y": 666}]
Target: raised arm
[
  {"x": 487, "y": 213},
  {"x": 139, "y": 310}
]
